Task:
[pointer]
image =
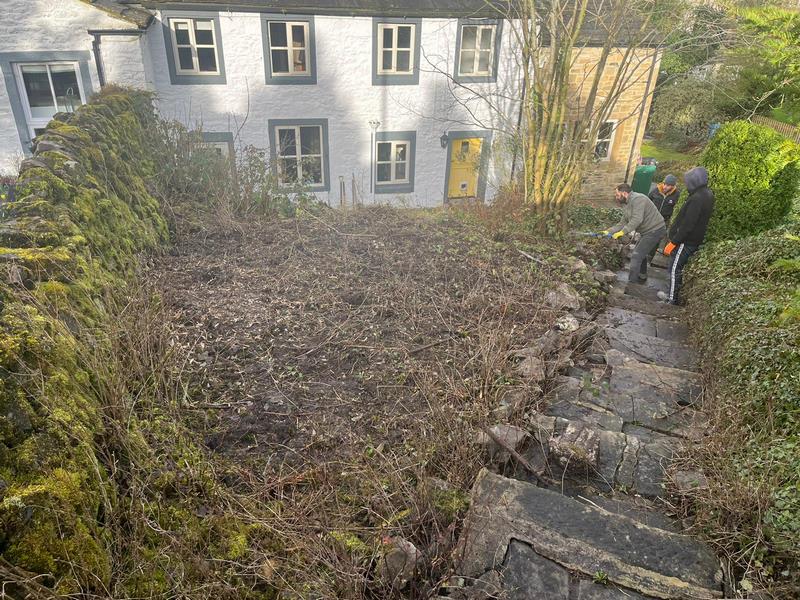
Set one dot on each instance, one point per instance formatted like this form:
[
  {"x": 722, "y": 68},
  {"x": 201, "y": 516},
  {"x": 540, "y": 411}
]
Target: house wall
[
  {"x": 48, "y": 26},
  {"x": 605, "y": 174},
  {"x": 345, "y": 95}
]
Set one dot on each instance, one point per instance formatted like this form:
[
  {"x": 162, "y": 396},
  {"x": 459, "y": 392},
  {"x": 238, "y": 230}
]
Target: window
[
  {"x": 477, "y": 47},
  {"x": 45, "y": 89},
  {"x": 289, "y": 54},
  {"x": 195, "y": 47},
  {"x": 395, "y": 51},
  {"x": 396, "y": 48},
  {"x": 288, "y": 48},
  {"x": 219, "y": 141},
  {"x": 394, "y": 162},
  {"x": 299, "y": 151},
  {"x": 605, "y": 139}
]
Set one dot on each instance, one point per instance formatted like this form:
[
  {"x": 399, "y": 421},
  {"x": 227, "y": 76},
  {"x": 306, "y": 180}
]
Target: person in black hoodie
[{"x": 688, "y": 230}]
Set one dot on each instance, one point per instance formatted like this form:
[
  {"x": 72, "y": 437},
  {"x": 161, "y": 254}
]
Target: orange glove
[{"x": 669, "y": 248}]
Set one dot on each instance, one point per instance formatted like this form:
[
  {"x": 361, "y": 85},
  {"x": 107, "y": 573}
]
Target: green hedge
[
  {"x": 82, "y": 214},
  {"x": 754, "y": 173},
  {"x": 743, "y": 297}
]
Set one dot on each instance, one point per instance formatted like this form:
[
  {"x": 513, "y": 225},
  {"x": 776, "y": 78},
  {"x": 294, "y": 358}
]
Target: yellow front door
[{"x": 465, "y": 160}]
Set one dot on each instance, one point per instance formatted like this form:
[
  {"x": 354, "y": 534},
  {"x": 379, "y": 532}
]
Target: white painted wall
[
  {"x": 344, "y": 95},
  {"x": 59, "y": 25}
]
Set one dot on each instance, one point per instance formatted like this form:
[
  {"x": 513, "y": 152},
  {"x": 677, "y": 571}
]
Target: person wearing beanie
[
  {"x": 688, "y": 230},
  {"x": 665, "y": 196}
]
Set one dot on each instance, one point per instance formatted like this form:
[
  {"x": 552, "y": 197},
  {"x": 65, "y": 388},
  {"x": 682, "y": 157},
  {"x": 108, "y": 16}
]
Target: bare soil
[{"x": 309, "y": 338}]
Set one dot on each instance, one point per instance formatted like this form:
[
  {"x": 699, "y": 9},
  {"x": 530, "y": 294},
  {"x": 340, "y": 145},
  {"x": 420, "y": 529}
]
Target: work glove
[
  {"x": 617, "y": 235},
  {"x": 669, "y": 248}
]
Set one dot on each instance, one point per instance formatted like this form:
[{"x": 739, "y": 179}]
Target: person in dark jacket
[
  {"x": 665, "y": 196},
  {"x": 688, "y": 230}
]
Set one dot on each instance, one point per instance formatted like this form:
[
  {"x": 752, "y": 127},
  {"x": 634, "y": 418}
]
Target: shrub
[{"x": 755, "y": 176}]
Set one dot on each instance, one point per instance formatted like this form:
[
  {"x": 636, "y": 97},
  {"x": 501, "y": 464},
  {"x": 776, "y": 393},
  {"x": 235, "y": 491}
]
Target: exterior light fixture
[{"x": 444, "y": 139}]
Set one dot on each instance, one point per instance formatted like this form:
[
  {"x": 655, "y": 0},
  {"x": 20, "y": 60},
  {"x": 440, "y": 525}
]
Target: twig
[
  {"x": 538, "y": 475},
  {"x": 530, "y": 257}
]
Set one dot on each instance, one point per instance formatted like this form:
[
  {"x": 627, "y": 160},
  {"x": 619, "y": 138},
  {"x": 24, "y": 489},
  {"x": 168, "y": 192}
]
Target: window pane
[
  {"x": 387, "y": 60},
  {"x": 468, "y": 61},
  {"x": 310, "y": 141},
  {"x": 384, "y": 172},
  {"x": 299, "y": 61},
  {"x": 388, "y": 38},
  {"x": 486, "y": 38},
  {"x": 400, "y": 152},
  {"x": 601, "y": 150},
  {"x": 384, "y": 151},
  {"x": 312, "y": 170},
  {"x": 404, "y": 37},
  {"x": 277, "y": 35},
  {"x": 280, "y": 61},
  {"x": 207, "y": 59},
  {"x": 203, "y": 34},
  {"x": 286, "y": 143},
  {"x": 469, "y": 37},
  {"x": 606, "y": 129},
  {"x": 483, "y": 61},
  {"x": 400, "y": 171},
  {"x": 65, "y": 85},
  {"x": 185, "y": 59},
  {"x": 403, "y": 60},
  {"x": 182, "y": 34},
  {"x": 298, "y": 36},
  {"x": 37, "y": 87},
  {"x": 37, "y": 132},
  {"x": 287, "y": 170}
]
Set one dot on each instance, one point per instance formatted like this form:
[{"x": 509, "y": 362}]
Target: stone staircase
[{"x": 583, "y": 519}]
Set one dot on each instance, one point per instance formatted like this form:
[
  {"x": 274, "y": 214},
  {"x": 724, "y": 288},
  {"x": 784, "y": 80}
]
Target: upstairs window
[
  {"x": 395, "y": 51},
  {"x": 477, "y": 50},
  {"x": 396, "y": 48},
  {"x": 289, "y": 53},
  {"x": 195, "y": 46},
  {"x": 288, "y": 45},
  {"x": 45, "y": 89}
]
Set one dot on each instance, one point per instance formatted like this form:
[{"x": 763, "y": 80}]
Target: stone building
[{"x": 408, "y": 103}]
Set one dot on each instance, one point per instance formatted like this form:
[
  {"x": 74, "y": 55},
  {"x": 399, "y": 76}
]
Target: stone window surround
[
  {"x": 7, "y": 62},
  {"x": 311, "y": 48},
  {"x": 396, "y": 78},
  {"x": 179, "y": 79},
  {"x": 272, "y": 124},
  {"x": 397, "y": 136},
  {"x": 498, "y": 34}
]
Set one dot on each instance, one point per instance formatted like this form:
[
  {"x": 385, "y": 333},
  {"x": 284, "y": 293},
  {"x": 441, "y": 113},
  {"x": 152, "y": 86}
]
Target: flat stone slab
[
  {"x": 671, "y": 330},
  {"x": 629, "y": 320},
  {"x": 583, "y": 539},
  {"x": 657, "y": 383},
  {"x": 651, "y": 349}
]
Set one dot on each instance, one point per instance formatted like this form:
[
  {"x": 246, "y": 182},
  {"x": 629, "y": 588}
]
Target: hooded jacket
[
  {"x": 690, "y": 226},
  {"x": 639, "y": 214}
]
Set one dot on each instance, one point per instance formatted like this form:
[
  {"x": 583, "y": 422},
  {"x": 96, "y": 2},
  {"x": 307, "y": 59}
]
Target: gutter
[{"x": 97, "y": 34}]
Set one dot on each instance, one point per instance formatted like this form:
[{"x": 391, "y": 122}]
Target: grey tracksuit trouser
[{"x": 641, "y": 253}]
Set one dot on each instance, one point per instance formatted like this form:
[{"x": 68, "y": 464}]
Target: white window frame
[
  {"x": 393, "y": 162},
  {"x": 381, "y": 49},
  {"x": 610, "y": 141},
  {"x": 190, "y": 22},
  {"x": 40, "y": 123},
  {"x": 290, "y": 49},
  {"x": 300, "y": 156},
  {"x": 476, "y": 60}
]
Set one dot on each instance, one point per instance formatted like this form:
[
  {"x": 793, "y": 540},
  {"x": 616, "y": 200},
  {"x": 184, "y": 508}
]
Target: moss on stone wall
[{"x": 82, "y": 215}]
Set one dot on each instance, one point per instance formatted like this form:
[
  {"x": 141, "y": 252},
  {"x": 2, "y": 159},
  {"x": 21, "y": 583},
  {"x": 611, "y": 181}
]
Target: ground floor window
[
  {"x": 605, "y": 138},
  {"x": 394, "y": 162},
  {"x": 300, "y": 152},
  {"x": 48, "y": 88}
]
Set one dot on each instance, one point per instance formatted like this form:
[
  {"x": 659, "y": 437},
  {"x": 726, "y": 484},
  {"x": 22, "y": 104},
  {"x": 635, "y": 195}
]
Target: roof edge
[{"x": 132, "y": 14}]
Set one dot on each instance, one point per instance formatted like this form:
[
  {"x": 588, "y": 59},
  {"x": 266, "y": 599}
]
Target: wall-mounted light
[{"x": 444, "y": 140}]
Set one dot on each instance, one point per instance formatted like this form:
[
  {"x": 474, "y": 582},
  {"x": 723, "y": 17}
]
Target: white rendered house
[{"x": 387, "y": 101}]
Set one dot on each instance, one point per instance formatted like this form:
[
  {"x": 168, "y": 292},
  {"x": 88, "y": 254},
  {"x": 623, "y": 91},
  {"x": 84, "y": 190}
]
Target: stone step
[
  {"x": 649, "y": 306},
  {"x": 541, "y": 544},
  {"x": 649, "y": 349},
  {"x": 630, "y": 321}
]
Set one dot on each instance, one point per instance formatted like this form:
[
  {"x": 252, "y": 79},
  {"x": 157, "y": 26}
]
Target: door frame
[{"x": 483, "y": 169}]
